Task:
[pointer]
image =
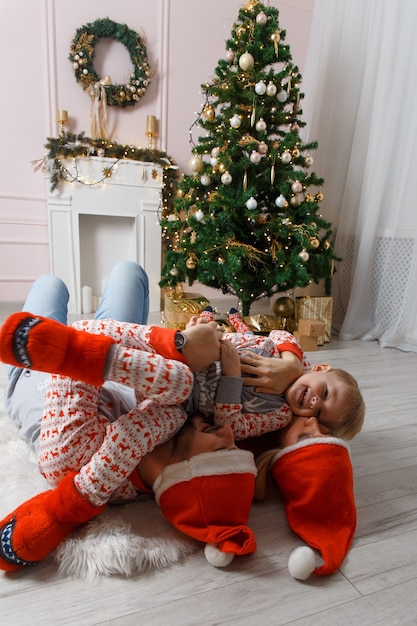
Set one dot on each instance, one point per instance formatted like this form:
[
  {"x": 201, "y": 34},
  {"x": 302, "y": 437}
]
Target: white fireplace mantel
[{"x": 106, "y": 211}]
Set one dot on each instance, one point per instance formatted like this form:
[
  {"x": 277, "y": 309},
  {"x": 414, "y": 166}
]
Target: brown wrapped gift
[
  {"x": 316, "y": 308},
  {"x": 179, "y": 308}
]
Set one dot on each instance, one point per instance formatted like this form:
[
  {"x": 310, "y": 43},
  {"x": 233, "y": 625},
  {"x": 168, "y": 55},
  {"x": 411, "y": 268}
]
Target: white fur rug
[{"x": 125, "y": 539}]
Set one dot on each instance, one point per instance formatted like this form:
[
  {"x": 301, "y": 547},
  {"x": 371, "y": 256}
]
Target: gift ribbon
[{"x": 98, "y": 111}]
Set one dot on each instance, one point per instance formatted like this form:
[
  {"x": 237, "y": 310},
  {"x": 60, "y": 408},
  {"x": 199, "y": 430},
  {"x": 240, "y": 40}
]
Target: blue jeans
[{"x": 125, "y": 298}]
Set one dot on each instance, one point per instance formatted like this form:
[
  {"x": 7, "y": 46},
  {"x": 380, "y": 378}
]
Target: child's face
[
  {"x": 302, "y": 428},
  {"x": 319, "y": 393}
]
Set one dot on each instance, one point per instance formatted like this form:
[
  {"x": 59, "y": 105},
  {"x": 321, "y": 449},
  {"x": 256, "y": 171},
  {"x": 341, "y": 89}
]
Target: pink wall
[{"x": 185, "y": 39}]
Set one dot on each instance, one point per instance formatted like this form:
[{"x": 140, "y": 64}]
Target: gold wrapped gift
[
  {"x": 316, "y": 308},
  {"x": 264, "y": 323},
  {"x": 179, "y": 308}
]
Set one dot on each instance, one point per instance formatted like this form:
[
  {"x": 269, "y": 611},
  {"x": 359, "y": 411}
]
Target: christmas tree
[{"x": 247, "y": 220}]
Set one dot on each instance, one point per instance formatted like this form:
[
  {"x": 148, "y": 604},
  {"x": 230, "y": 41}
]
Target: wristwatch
[{"x": 180, "y": 340}]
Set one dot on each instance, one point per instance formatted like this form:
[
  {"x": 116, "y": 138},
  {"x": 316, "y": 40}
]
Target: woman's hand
[{"x": 270, "y": 375}]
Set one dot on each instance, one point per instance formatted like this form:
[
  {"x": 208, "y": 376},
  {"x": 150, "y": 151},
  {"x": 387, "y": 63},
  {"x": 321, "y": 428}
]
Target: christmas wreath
[{"x": 82, "y": 53}]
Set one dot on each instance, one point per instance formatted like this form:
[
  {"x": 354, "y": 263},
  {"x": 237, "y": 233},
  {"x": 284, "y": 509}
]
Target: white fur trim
[
  {"x": 216, "y": 557},
  {"x": 217, "y": 463},
  {"x": 335, "y": 441}
]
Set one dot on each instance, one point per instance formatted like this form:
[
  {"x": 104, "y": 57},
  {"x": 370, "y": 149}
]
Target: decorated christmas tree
[{"x": 247, "y": 220}]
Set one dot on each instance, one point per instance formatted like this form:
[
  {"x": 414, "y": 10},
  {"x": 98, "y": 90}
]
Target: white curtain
[{"x": 360, "y": 85}]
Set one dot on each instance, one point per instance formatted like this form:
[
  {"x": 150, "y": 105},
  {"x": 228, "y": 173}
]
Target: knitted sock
[
  {"x": 39, "y": 525},
  {"x": 237, "y": 321},
  {"x": 207, "y": 314},
  {"x": 39, "y": 343},
  {"x": 151, "y": 375}
]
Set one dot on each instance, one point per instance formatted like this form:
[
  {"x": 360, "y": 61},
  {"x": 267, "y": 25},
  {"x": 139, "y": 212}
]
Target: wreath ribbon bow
[{"x": 98, "y": 110}]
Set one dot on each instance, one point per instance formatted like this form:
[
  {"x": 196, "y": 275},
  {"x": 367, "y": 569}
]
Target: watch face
[{"x": 180, "y": 341}]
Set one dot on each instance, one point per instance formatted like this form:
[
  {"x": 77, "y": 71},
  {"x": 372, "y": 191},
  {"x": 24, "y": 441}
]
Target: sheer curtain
[{"x": 360, "y": 85}]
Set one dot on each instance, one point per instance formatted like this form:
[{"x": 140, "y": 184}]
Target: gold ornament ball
[
  {"x": 314, "y": 243},
  {"x": 190, "y": 263},
  {"x": 284, "y": 307},
  {"x": 326, "y": 245}
]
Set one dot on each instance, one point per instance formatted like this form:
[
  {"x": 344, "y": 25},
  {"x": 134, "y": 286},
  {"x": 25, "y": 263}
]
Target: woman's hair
[
  {"x": 264, "y": 485},
  {"x": 351, "y": 420}
]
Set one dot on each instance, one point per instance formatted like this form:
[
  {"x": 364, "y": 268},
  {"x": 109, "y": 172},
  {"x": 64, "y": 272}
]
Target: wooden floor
[{"x": 377, "y": 584}]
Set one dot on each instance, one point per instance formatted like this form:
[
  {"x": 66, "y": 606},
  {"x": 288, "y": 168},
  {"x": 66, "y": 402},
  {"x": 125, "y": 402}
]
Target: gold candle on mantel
[
  {"x": 151, "y": 129},
  {"x": 62, "y": 116},
  {"x": 62, "y": 119}
]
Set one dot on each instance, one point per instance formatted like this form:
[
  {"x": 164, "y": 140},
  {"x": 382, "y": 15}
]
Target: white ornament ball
[
  {"x": 205, "y": 180},
  {"x": 262, "y": 148},
  {"x": 302, "y": 562},
  {"x": 251, "y": 203},
  {"x": 196, "y": 164},
  {"x": 215, "y": 152},
  {"x": 226, "y": 178},
  {"x": 282, "y": 96},
  {"x": 255, "y": 157},
  {"x": 271, "y": 89},
  {"x": 213, "y": 162},
  {"x": 280, "y": 201},
  {"x": 173, "y": 271},
  {"x": 260, "y": 125},
  {"x": 235, "y": 121},
  {"x": 216, "y": 557},
  {"x": 85, "y": 71},
  {"x": 230, "y": 56},
  {"x": 309, "y": 161},
  {"x": 286, "y": 157},
  {"x": 261, "y": 18},
  {"x": 199, "y": 215},
  {"x": 260, "y": 88},
  {"x": 296, "y": 186},
  {"x": 246, "y": 61},
  {"x": 304, "y": 256},
  {"x": 172, "y": 217}
]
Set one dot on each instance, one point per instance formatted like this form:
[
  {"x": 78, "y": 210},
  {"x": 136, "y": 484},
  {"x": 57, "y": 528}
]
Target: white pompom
[
  {"x": 216, "y": 557},
  {"x": 302, "y": 562}
]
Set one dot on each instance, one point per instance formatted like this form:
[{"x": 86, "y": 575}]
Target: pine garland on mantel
[{"x": 70, "y": 145}]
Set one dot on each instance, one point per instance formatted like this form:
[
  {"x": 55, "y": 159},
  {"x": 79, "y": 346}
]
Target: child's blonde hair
[
  {"x": 264, "y": 485},
  {"x": 352, "y": 417}
]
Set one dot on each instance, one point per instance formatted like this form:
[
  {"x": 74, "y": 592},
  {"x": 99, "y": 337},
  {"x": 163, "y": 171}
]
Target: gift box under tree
[
  {"x": 316, "y": 308},
  {"x": 180, "y": 307}
]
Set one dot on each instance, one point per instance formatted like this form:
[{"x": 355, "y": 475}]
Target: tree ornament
[
  {"x": 284, "y": 307},
  {"x": 208, "y": 113},
  {"x": 214, "y": 162},
  {"x": 260, "y": 88},
  {"x": 296, "y": 186},
  {"x": 251, "y": 203},
  {"x": 281, "y": 201},
  {"x": 286, "y": 157},
  {"x": 220, "y": 260},
  {"x": 296, "y": 200},
  {"x": 230, "y": 56},
  {"x": 226, "y": 178},
  {"x": 304, "y": 256},
  {"x": 275, "y": 38},
  {"x": 199, "y": 215},
  {"x": 308, "y": 161},
  {"x": 172, "y": 217},
  {"x": 255, "y": 157},
  {"x": 235, "y": 121},
  {"x": 282, "y": 96},
  {"x": 262, "y": 218},
  {"x": 262, "y": 148},
  {"x": 271, "y": 89},
  {"x": 260, "y": 125},
  {"x": 326, "y": 245},
  {"x": 174, "y": 270},
  {"x": 196, "y": 164},
  {"x": 314, "y": 243},
  {"x": 246, "y": 61},
  {"x": 215, "y": 152},
  {"x": 319, "y": 197},
  {"x": 296, "y": 153},
  {"x": 205, "y": 180},
  {"x": 191, "y": 263},
  {"x": 82, "y": 54},
  {"x": 261, "y": 18}
]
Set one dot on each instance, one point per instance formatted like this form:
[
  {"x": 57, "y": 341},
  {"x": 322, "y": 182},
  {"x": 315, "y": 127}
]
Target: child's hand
[{"x": 229, "y": 359}]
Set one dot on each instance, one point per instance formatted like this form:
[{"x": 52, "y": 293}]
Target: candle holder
[
  {"x": 151, "y": 131},
  {"x": 62, "y": 120}
]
